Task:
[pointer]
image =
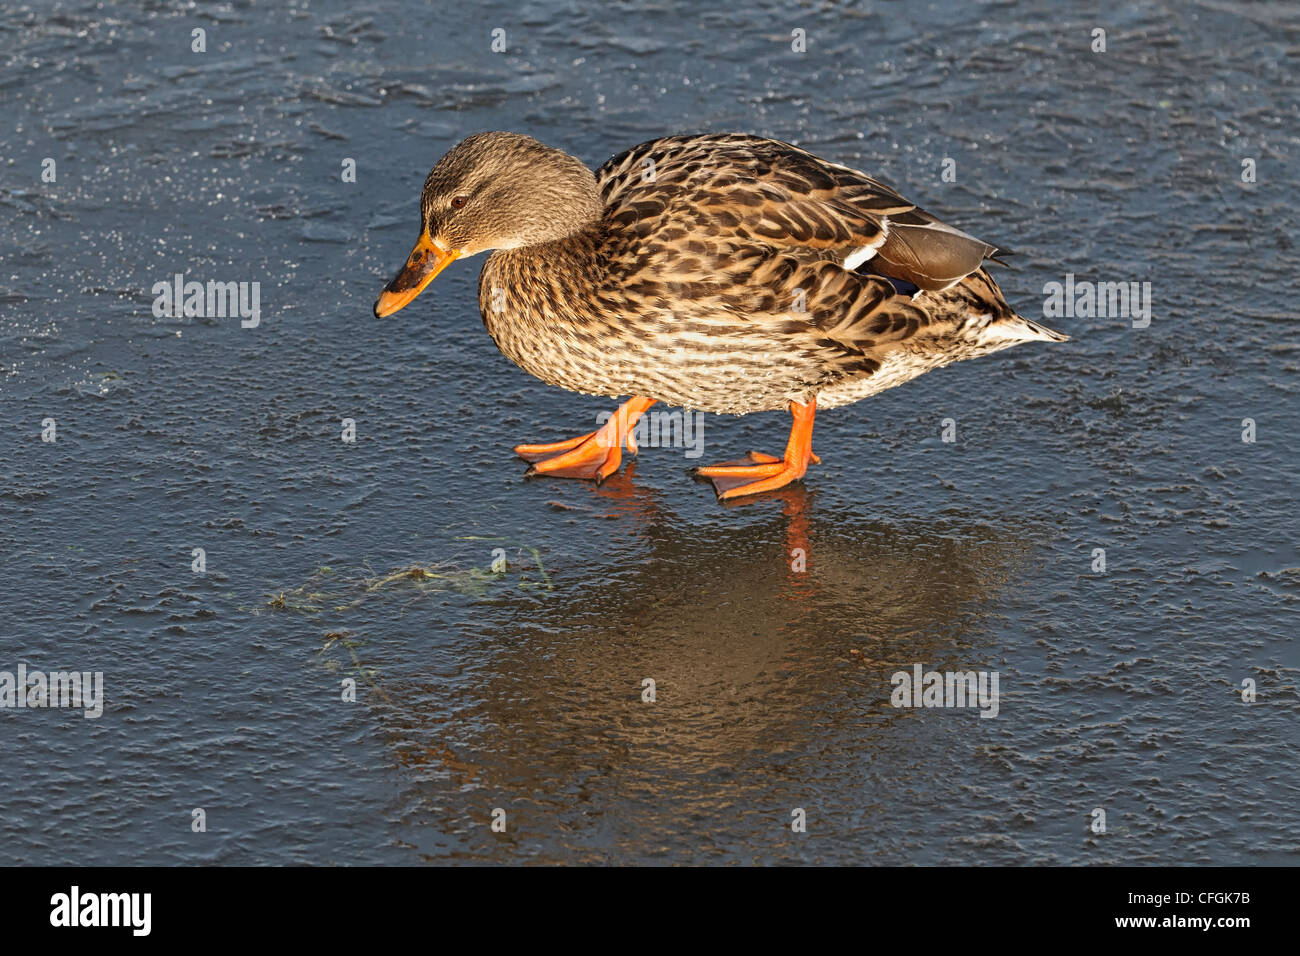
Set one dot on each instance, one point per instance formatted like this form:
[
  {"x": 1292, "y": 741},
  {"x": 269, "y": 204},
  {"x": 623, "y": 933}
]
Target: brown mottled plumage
[{"x": 727, "y": 273}]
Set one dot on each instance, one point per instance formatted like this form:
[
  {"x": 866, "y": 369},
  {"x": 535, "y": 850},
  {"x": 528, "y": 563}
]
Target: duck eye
[{"x": 459, "y": 201}]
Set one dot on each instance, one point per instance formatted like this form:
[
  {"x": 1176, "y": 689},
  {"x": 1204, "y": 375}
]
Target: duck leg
[
  {"x": 758, "y": 472},
  {"x": 595, "y": 455}
]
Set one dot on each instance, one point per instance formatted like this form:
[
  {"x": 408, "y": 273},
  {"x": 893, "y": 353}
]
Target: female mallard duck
[{"x": 726, "y": 273}]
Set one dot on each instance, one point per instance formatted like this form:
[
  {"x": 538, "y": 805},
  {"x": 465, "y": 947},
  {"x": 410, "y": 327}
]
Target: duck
[{"x": 717, "y": 272}]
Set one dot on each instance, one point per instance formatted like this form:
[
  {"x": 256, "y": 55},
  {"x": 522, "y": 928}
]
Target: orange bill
[{"x": 426, "y": 260}]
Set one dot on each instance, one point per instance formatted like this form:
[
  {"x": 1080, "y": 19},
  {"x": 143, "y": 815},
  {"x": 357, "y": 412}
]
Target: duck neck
[
  {"x": 570, "y": 257},
  {"x": 542, "y": 278}
]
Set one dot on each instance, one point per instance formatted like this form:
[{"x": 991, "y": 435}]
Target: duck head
[{"x": 493, "y": 191}]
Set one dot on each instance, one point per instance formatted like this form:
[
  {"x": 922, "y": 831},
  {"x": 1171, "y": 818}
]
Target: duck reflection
[{"x": 707, "y": 659}]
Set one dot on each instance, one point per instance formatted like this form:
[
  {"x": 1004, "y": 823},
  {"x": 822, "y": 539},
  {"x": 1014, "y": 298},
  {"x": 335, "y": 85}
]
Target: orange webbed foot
[
  {"x": 757, "y": 472},
  {"x": 752, "y": 475},
  {"x": 593, "y": 456},
  {"x": 587, "y": 457},
  {"x": 542, "y": 452}
]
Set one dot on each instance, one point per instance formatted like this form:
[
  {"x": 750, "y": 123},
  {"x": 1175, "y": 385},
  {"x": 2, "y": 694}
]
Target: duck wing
[{"x": 748, "y": 188}]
